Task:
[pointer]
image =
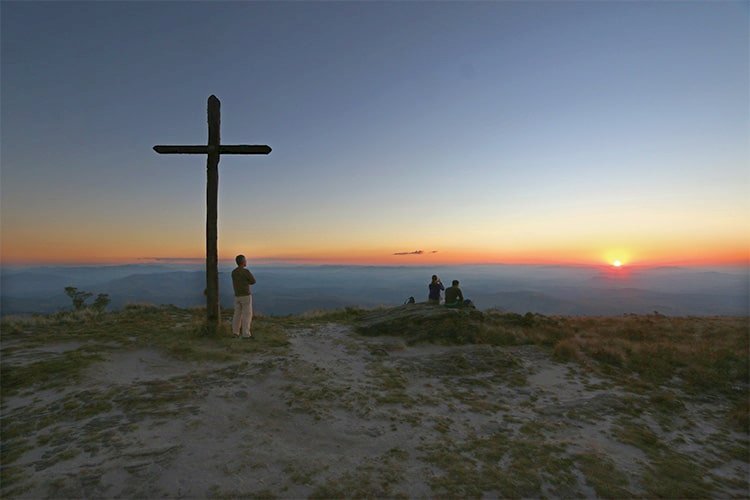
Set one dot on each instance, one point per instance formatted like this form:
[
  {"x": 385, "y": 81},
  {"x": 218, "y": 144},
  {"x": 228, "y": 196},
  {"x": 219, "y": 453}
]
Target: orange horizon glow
[{"x": 384, "y": 258}]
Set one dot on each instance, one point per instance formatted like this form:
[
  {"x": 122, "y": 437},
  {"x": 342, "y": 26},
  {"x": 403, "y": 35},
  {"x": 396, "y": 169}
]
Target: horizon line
[{"x": 145, "y": 261}]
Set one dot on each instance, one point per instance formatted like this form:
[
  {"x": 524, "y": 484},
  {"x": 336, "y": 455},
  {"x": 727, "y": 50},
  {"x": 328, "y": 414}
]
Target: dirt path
[{"x": 346, "y": 415}]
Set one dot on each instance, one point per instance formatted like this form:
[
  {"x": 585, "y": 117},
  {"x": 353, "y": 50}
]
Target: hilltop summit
[{"x": 408, "y": 401}]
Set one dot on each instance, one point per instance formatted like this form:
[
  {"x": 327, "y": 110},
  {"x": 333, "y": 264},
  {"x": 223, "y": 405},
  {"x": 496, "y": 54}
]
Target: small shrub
[
  {"x": 101, "y": 302},
  {"x": 78, "y": 297},
  {"x": 567, "y": 350}
]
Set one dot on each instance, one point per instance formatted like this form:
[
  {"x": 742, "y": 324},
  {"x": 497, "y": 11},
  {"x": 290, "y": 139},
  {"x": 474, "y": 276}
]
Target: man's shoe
[
  {"x": 236, "y": 335},
  {"x": 248, "y": 337}
]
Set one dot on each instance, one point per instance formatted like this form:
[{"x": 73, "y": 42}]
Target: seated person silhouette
[{"x": 453, "y": 296}]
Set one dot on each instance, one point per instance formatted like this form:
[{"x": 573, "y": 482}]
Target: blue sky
[{"x": 495, "y": 128}]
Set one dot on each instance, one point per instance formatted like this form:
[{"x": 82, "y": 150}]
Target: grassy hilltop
[{"x": 408, "y": 401}]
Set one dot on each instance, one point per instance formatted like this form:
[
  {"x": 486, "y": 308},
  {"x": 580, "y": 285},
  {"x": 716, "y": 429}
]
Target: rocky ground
[{"x": 339, "y": 414}]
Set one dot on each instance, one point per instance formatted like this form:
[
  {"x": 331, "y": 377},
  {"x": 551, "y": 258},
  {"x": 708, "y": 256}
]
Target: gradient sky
[{"x": 491, "y": 132}]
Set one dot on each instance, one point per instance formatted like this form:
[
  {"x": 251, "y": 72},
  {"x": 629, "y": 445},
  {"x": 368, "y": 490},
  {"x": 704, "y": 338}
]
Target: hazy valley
[{"x": 294, "y": 289}]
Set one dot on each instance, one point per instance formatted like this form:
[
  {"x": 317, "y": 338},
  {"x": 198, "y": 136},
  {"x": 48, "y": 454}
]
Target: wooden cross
[{"x": 214, "y": 150}]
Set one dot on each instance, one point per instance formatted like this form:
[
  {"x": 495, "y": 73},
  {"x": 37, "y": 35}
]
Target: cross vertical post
[
  {"x": 213, "y": 150},
  {"x": 212, "y": 196}
]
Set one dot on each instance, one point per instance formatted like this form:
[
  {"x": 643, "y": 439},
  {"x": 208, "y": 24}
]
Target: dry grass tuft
[
  {"x": 567, "y": 350},
  {"x": 707, "y": 354}
]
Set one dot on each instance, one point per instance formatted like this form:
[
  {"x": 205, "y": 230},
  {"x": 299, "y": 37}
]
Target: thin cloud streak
[{"x": 173, "y": 259}]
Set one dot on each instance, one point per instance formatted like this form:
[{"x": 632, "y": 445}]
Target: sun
[{"x": 617, "y": 263}]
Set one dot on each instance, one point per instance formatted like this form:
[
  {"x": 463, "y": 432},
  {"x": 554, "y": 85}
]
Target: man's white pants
[{"x": 243, "y": 315}]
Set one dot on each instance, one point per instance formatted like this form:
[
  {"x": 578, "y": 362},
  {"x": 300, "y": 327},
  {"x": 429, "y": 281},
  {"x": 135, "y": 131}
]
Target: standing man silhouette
[{"x": 243, "y": 299}]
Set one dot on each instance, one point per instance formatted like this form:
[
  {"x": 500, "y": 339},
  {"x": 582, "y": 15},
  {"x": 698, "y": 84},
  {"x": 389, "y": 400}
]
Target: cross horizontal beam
[{"x": 238, "y": 149}]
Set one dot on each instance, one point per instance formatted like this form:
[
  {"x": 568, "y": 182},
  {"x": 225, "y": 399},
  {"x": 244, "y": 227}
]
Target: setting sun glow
[{"x": 617, "y": 263}]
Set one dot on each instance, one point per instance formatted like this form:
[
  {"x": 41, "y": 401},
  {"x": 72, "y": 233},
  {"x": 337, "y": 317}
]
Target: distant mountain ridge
[{"x": 295, "y": 289}]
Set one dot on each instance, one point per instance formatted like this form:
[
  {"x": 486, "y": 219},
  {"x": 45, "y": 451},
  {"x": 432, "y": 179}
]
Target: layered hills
[{"x": 296, "y": 289}]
